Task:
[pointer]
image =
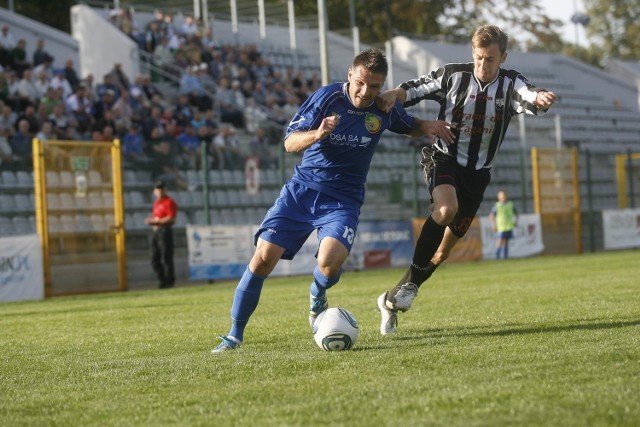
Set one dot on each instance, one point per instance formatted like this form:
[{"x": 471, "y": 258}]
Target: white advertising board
[
  {"x": 21, "y": 273},
  {"x": 223, "y": 251},
  {"x": 621, "y": 228},
  {"x": 527, "y": 237}
]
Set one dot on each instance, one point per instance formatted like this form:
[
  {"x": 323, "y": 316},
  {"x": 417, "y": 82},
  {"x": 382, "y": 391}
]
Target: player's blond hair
[{"x": 487, "y": 35}]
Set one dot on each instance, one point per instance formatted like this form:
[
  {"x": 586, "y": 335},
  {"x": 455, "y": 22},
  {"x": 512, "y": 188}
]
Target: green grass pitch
[{"x": 546, "y": 341}]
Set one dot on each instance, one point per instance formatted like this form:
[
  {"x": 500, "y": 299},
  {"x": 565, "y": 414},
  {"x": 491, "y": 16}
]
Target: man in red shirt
[{"x": 162, "y": 218}]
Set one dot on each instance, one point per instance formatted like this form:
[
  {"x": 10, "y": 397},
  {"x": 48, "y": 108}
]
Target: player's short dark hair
[
  {"x": 487, "y": 35},
  {"x": 373, "y": 60}
]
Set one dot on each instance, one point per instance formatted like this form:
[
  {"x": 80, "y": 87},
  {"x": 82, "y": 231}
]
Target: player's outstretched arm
[
  {"x": 299, "y": 141},
  {"x": 433, "y": 129},
  {"x": 387, "y": 99},
  {"x": 545, "y": 99}
]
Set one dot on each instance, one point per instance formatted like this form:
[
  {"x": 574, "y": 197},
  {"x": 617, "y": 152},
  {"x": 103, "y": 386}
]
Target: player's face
[
  {"x": 486, "y": 62},
  {"x": 364, "y": 86}
]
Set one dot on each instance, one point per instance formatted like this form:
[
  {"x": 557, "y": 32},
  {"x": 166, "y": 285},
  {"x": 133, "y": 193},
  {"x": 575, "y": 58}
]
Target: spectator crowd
[{"x": 222, "y": 91}]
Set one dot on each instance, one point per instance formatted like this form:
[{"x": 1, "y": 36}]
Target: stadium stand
[{"x": 597, "y": 112}]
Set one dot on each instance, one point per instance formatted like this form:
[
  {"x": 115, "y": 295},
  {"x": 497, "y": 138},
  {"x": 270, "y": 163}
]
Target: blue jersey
[{"x": 338, "y": 165}]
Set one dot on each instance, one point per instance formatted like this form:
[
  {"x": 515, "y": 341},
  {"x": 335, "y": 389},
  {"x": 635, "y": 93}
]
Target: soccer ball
[{"x": 335, "y": 329}]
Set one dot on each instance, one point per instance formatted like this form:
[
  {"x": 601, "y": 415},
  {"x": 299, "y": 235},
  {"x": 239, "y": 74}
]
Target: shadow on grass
[{"x": 517, "y": 330}]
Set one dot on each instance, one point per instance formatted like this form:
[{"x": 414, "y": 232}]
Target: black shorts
[{"x": 470, "y": 184}]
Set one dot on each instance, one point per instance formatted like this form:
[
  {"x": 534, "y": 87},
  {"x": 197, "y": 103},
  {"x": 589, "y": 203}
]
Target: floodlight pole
[
  {"x": 261, "y": 19},
  {"x": 234, "y": 19},
  {"x": 322, "y": 30},
  {"x": 196, "y": 9},
  {"x": 292, "y": 25},
  {"x": 354, "y": 28},
  {"x": 388, "y": 47}
]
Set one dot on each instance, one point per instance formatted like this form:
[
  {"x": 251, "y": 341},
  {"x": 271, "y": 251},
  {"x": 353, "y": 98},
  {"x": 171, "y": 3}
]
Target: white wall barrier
[
  {"x": 621, "y": 228},
  {"x": 527, "y": 237},
  {"x": 217, "y": 252},
  {"x": 21, "y": 275}
]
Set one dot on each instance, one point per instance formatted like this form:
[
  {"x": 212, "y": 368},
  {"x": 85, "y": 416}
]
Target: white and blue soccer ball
[{"x": 335, "y": 329}]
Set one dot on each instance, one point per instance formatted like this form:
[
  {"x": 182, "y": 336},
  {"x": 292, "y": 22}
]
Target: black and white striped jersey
[{"x": 480, "y": 113}]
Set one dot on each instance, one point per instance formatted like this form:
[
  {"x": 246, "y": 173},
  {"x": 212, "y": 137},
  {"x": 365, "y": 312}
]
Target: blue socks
[
  {"x": 321, "y": 283},
  {"x": 248, "y": 292},
  {"x": 245, "y": 302}
]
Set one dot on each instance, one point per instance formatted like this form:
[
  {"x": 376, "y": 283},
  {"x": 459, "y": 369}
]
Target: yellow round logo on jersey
[{"x": 372, "y": 123}]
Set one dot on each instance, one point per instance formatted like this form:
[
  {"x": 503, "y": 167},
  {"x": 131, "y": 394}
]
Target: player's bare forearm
[
  {"x": 299, "y": 141},
  {"x": 545, "y": 99},
  {"x": 386, "y": 100},
  {"x": 433, "y": 130}
]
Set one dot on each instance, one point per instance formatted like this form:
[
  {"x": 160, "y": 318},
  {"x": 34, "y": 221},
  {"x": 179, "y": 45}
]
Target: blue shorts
[
  {"x": 505, "y": 234},
  {"x": 299, "y": 210}
]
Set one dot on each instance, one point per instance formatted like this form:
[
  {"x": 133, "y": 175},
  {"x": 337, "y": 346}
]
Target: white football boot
[
  {"x": 404, "y": 296},
  {"x": 389, "y": 316}
]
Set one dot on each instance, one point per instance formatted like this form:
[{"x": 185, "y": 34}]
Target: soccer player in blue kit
[{"x": 338, "y": 127}]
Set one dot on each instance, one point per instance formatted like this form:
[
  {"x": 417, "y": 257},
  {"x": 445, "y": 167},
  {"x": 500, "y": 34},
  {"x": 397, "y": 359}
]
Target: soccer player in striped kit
[{"x": 478, "y": 99}]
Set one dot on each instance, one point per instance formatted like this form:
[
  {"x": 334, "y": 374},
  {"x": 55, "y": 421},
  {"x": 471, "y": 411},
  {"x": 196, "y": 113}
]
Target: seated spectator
[
  {"x": 104, "y": 104},
  {"x": 79, "y": 106},
  {"x": 41, "y": 83},
  {"x": 70, "y": 74},
  {"x": 259, "y": 147},
  {"x": 6, "y": 38},
  {"x": 7, "y": 158},
  {"x": 46, "y": 131},
  {"x": 153, "y": 122},
  {"x": 107, "y": 84},
  {"x": 183, "y": 112},
  {"x": 8, "y": 119},
  {"x": 108, "y": 134},
  {"x": 254, "y": 114},
  {"x": 230, "y": 108},
  {"x": 45, "y": 67},
  {"x": 29, "y": 114},
  {"x": 121, "y": 122},
  {"x": 119, "y": 77},
  {"x": 40, "y": 55},
  {"x": 5, "y": 58},
  {"x": 163, "y": 162},
  {"x": 211, "y": 122},
  {"x": 139, "y": 104},
  {"x": 59, "y": 81},
  {"x": 192, "y": 87},
  {"x": 152, "y": 37},
  {"x": 226, "y": 146},
  {"x": 188, "y": 27},
  {"x": 21, "y": 145},
  {"x": 105, "y": 121},
  {"x": 90, "y": 88},
  {"x": 163, "y": 55},
  {"x": 190, "y": 147},
  {"x": 19, "y": 60},
  {"x": 132, "y": 149},
  {"x": 26, "y": 91},
  {"x": 60, "y": 120},
  {"x": 122, "y": 110},
  {"x": 198, "y": 120},
  {"x": 150, "y": 89}
]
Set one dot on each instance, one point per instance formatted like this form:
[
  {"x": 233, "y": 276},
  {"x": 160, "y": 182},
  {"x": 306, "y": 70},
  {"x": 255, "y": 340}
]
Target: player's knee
[
  {"x": 444, "y": 214},
  {"x": 439, "y": 257},
  {"x": 330, "y": 269}
]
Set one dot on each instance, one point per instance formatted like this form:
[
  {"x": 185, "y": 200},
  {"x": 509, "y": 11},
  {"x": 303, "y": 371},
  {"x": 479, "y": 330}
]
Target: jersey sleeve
[
  {"x": 400, "y": 121},
  {"x": 310, "y": 114},
  {"x": 429, "y": 86},
  {"x": 525, "y": 94}
]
